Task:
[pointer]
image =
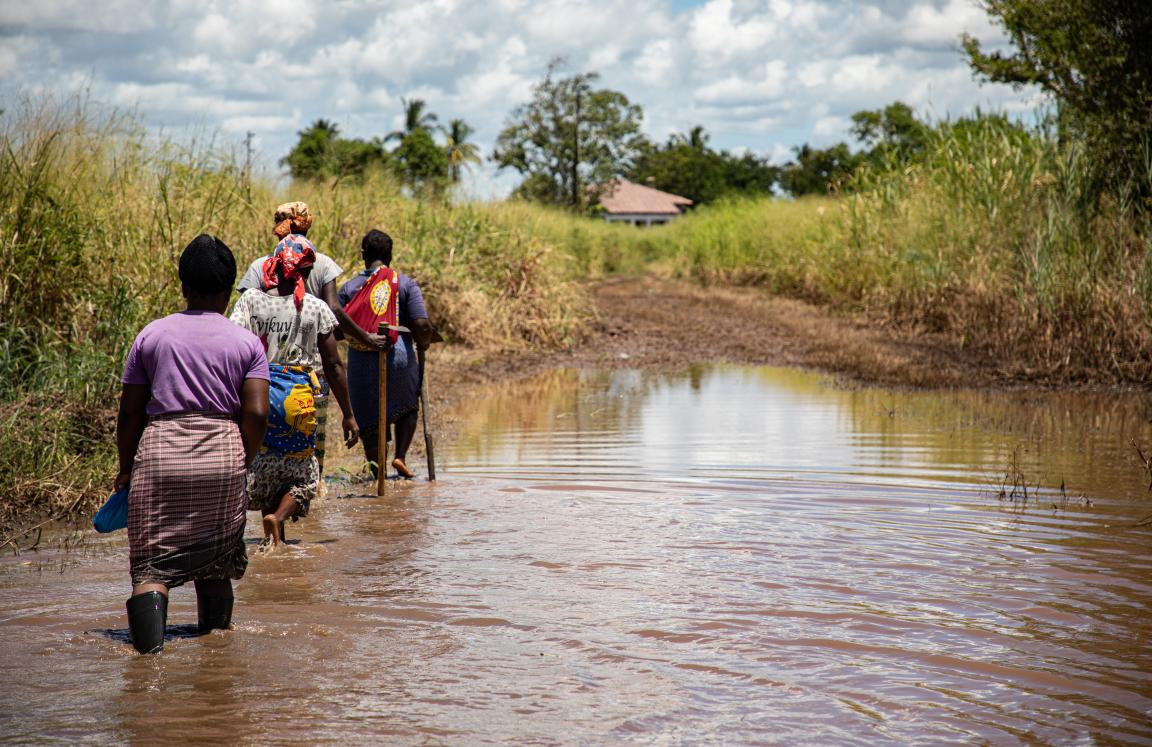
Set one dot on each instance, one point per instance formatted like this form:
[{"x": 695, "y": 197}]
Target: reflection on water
[
  {"x": 731, "y": 555},
  {"x": 770, "y": 423}
]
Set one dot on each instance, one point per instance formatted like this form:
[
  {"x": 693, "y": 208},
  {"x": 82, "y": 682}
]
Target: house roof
[{"x": 622, "y": 196}]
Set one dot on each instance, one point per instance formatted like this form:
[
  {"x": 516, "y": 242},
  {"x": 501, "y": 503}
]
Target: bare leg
[
  {"x": 147, "y": 587},
  {"x": 368, "y": 438},
  {"x": 273, "y": 520},
  {"x": 405, "y": 431}
]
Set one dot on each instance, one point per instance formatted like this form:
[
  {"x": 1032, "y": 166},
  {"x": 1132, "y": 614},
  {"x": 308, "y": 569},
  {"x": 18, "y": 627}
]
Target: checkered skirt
[{"x": 187, "y": 500}]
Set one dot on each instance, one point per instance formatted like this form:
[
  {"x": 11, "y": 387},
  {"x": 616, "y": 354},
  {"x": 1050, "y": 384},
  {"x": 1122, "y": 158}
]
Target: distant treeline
[{"x": 1091, "y": 56}]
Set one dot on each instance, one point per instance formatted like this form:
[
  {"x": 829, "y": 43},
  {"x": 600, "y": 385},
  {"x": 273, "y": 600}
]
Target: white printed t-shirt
[{"x": 289, "y": 336}]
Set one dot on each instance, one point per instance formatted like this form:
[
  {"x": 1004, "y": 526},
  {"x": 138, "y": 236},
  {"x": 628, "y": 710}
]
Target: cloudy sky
[{"x": 763, "y": 75}]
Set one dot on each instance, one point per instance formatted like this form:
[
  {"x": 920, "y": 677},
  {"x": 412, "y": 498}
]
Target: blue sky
[{"x": 762, "y": 75}]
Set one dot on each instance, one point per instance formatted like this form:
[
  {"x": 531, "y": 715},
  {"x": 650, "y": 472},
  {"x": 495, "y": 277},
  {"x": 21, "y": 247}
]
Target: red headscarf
[{"x": 293, "y": 255}]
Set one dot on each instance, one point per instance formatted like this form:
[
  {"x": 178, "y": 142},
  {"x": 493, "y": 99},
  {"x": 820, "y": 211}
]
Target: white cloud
[
  {"x": 928, "y": 24},
  {"x": 717, "y": 36},
  {"x": 832, "y": 127},
  {"x": 112, "y": 17},
  {"x": 758, "y": 74},
  {"x": 15, "y": 51},
  {"x": 764, "y": 84},
  {"x": 655, "y": 63}
]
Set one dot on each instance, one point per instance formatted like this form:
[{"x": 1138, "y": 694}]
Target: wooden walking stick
[
  {"x": 382, "y": 423},
  {"x": 429, "y": 448}
]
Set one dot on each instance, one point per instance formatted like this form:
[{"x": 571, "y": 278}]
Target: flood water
[{"x": 728, "y": 555}]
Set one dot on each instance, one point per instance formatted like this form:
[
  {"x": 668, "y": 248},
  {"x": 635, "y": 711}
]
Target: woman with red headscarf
[{"x": 296, "y": 330}]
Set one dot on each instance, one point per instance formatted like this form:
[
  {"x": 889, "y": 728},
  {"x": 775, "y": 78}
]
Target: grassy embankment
[
  {"x": 993, "y": 238},
  {"x": 93, "y": 216}
]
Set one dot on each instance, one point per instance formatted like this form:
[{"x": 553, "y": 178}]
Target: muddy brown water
[{"x": 728, "y": 555}]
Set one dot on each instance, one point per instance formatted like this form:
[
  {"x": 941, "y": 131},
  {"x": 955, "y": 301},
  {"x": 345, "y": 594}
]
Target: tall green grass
[
  {"x": 999, "y": 236},
  {"x": 93, "y": 216}
]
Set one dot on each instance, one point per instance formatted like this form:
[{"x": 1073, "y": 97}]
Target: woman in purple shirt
[{"x": 192, "y": 416}]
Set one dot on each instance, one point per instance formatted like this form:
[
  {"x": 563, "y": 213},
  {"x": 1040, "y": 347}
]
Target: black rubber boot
[
  {"x": 147, "y": 617},
  {"x": 214, "y": 611}
]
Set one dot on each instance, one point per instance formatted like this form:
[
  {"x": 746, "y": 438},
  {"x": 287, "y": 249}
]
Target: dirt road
[{"x": 649, "y": 323}]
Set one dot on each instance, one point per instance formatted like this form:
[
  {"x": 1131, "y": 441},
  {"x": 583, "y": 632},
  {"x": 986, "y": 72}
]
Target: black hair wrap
[{"x": 207, "y": 266}]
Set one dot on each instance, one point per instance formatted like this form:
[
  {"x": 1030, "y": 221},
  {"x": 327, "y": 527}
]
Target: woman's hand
[
  {"x": 382, "y": 343},
  {"x": 121, "y": 481},
  {"x": 351, "y": 431}
]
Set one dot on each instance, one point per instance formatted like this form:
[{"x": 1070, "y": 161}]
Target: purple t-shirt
[{"x": 195, "y": 361}]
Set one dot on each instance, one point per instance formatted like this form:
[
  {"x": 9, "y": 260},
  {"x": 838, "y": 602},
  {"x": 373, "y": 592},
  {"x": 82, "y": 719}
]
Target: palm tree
[
  {"x": 415, "y": 118},
  {"x": 696, "y": 138},
  {"x": 460, "y": 152}
]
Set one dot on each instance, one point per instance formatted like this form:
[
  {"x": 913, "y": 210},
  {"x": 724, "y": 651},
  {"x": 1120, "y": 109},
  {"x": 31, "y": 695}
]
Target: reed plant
[{"x": 999, "y": 236}]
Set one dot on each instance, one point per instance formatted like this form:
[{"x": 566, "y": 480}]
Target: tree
[
  {"x": 568, "y": 136},
  {"x": 310, "y": 157},
  {"x": 686, "y": 166},
  {"x": 681, "y": 169},
  {"x": 893, "y": 131},
  {"x": 750, "y": 174},
  {"x": 695, "y": 138},
  {"x": 816, "y": 171},
  {"x": 421, "y": 162},
  {"x": 321, "y": 153},
  {"x": 415, "y": 118},
  {"x": 460, "y": 152},
  {"x": 1095, "y": 58}
]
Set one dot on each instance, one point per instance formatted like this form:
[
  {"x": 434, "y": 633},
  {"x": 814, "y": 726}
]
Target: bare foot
[
  {"x": 402, "y": 469},
  {"x": 272, "y": 529}
]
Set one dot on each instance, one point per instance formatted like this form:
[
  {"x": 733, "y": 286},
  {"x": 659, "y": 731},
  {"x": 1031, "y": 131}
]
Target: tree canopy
[
  {"x": 891, "y": 132},
  {"x": 460, "y": 152},
  {"x": 422, "y": 163},
  {"x": 686, "y": 166},
  {"x": 321, "y": 153},
  {"x": 570, "y": 135},
  {"x": 417, "y": 161},
  {"x": 1095, "y": 58}
]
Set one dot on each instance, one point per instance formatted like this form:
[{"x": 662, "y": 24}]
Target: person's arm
[
  {"x": 421, "y": 333},
  {"x": 337, "y": 378},
  {"x": 414, "y": 310},
  {"x": 253, "y": 416},
  {"x": 130, "y": 423},
  {"x": 347, "y": 326}
]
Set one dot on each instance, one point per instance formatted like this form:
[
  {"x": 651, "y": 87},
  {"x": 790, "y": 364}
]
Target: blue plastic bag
[{"x": 113, "y": 514}]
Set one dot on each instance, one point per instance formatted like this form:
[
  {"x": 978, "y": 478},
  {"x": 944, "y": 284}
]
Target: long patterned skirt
[{"x": 187, "y": 500}]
